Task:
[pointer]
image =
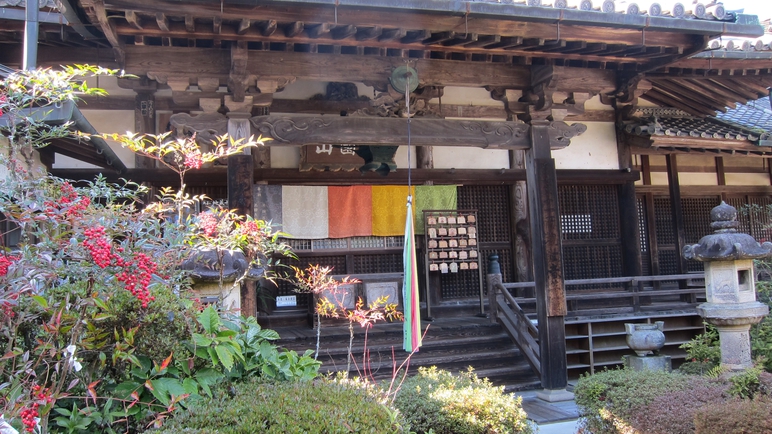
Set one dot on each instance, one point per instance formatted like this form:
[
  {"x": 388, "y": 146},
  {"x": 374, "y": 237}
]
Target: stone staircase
[{"x": 452, "y": 344}]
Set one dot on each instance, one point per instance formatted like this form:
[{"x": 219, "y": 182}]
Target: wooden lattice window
[
  {"x": 384, "y": 263},
  {"x": 696, "y": 215},
  {"x": 337, "y": 262},
  {"x": 755, "y": 215},
  {"x": 589, "y": 218}
]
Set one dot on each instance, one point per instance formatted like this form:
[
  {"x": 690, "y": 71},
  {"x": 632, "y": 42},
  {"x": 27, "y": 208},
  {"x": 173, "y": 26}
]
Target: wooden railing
[{"x": 506, "y": 309}]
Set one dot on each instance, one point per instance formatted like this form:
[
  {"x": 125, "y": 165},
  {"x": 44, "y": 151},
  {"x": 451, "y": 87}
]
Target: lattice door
[{"x": 589, "y": 222}]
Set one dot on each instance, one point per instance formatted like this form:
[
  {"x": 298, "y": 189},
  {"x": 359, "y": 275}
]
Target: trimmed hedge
[
  {"x": 610, "y": 401},
  {"x": 735, "y": 416},
  {"x": 322, "y": 405},
  {"x": 443, "y": 403}
]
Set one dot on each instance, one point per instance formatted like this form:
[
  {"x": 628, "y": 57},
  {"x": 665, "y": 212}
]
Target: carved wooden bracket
[
  {"x": 563, "y": 104},
  {"x": 629, "y": 88},
  {"x": 313, "y": 130},
  {"x": 205, "y": 126}
]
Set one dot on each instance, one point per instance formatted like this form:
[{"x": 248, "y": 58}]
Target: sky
[{"x": 762, "y": 8}]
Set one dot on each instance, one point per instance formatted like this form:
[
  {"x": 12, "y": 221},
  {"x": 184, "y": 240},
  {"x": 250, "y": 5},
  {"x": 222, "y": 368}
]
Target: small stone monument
[
  {"x": 731, "y": 285},
  {"x": 646, "y": 340}
]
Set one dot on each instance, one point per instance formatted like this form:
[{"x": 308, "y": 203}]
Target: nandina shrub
[
  {"x": 323, "y": 405},
  {"x": 735, "y": 416},
  {"x": 610, "y": 400},
  {"x": 444, "y": 403}
]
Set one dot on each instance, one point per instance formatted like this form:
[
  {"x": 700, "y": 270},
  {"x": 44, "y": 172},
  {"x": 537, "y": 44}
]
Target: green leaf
[
  {"x": 269, "y": 334},
  {"x": 125, "y": 389},
  {"x": 201, "y": 340},
  {"x": 101, "y": 304},
  {"x": 160, "y": 391},
  {"x": 226, "y": 334},
  {"x": 41, "y": 301},
  {"x": 190, "y": 385},
  {"x": 213, "y": 356},
  {"x": 226, "y": 358},
  {"x": 209, "y": 320}
]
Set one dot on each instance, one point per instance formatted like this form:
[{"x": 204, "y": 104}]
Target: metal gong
[{"x": 401, "y": 76}]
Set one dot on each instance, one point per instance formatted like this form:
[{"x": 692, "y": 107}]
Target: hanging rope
[{"x": 409, "y": 165}]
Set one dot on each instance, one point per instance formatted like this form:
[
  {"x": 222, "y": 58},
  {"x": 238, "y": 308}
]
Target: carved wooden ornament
[{"x": 321, "y": 130}]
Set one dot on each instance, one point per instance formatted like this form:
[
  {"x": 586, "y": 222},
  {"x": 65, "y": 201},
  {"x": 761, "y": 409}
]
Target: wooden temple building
[{"x": 582, "y": 143}]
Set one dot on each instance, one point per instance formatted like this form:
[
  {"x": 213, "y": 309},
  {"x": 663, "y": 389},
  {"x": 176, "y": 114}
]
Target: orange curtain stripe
[{"x": 350, "y": 211}]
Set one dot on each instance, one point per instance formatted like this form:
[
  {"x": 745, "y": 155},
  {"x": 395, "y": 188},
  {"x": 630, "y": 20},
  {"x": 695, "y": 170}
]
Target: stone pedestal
[
  {"x": 730, "y": 283},
  {"x": 733, "y": 322},
  {"x": 554, "y": 395},
  {"x": 648, "y": 363}
]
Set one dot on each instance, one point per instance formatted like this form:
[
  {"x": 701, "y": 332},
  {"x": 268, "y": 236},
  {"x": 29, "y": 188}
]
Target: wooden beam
[
  {"x": 162, "y": 21},
  {"x": 181, "y": 103},
  {"x": 343, "y": 32},
  {"x": 134, "y": 19},
  {"x": 311, "y": 130},
  {"x": 190, "y": 23},
  {"x": 413, "y": 19},
  {"x": 109, "y": 31},
  {"x": 317, "y": 31},
  {"x": 368, "y": 33},
  {"x": 184, "y": 61},
  {"x": 216, "y": 25},
  {"x": 294, "y": 29},
  {"x": 244, "y": 25},
  {"x": 267, "y": 28},
  {"x": 216, "y": 176}
]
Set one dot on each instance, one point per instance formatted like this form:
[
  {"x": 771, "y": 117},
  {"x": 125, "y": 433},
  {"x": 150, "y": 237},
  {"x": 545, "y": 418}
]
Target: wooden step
[{"x": 450, "y": 344}]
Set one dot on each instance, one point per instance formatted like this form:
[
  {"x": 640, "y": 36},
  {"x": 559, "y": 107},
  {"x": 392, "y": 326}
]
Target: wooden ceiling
[{"x": 485, "y": 44}]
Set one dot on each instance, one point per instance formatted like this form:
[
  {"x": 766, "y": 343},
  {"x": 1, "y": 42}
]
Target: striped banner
[{"x": 412, "y": 324}]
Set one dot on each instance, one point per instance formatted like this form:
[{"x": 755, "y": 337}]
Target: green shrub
[
  {"x": 703, "y": 352},
  {"x": 443, "y": 403},
  {"x": 735, "y": 416},
  {"x": 322, "y": 405},
  {"x": 761, "y": 333},
  {"x": 608, "y": 401}
]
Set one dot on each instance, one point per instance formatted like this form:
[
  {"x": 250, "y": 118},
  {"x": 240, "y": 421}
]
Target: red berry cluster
[
  {"x": 7, "y": 309},
  {"x": 5, "y": 263},
  {"x": 194, "y": 160},
  {"x": 136, "y": 276},
  {"x": 136, "y": 272},
  {"x": 207, "y": 222},
  {"x": 98, "y": 245},
  {"x": 69, "y": 201},
  {"x": 28, "y": 415}
]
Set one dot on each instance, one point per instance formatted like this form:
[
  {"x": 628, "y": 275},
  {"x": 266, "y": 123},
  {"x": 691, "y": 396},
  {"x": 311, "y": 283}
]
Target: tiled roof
[
  {"x": 650, "y": 121},
  {"x": 756, "y": 115}
]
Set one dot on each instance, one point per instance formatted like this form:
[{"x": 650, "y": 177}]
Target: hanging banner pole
[{"x": 411, "y": 302}]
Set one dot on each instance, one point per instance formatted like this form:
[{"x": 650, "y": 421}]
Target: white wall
[{"x": 595, "y": 149}]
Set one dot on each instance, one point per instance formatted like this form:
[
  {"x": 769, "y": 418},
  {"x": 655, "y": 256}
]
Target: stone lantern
[
  {"x": 204, "y": 267},
  {"x": 731, "y": 285}
]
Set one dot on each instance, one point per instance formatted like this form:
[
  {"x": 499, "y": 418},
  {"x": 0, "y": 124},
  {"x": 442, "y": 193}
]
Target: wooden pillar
[
  {"x": 679, "y": 232},
  {"x": 425, "y": 157},
  {"x": 628, "y": 214},
  {"x": 547, "y": 257},
  {"x": 144, "y": 123},
  {"x": 521, "y": 235},
  {"x": 241, "y": 180}
]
